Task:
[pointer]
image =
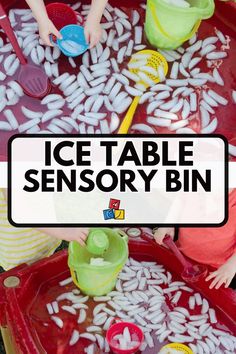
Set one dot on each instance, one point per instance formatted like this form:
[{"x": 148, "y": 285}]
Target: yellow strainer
[
  {"x": 182, "y": 348},
  {"x": 153, "y": 60}
]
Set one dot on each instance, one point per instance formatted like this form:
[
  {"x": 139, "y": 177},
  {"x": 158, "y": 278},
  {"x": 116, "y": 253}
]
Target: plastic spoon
[
  {"x": 191, "y": 273},
  {"x": 154, "y": 60},
  {"x": 33, "y": 80}
]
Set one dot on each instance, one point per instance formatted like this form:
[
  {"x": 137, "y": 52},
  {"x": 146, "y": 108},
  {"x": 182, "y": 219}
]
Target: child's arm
[
  {"x": 161, "y": 232},
  {"x": 68, "y": 234},
  {"x": 46, "y": 27},
  {"x": 93, "y": 29},
  {"x": 63, "y": 233},
  {"x": 224, "y": 274}
]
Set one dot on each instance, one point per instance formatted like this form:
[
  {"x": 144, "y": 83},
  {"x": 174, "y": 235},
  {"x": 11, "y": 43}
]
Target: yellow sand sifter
[
  {"x": 175, "y": 347},
  {"x": 154, "y": 61}
]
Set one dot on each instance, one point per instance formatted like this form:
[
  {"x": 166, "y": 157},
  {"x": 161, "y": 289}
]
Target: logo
[{"x": 114, "y": 211}]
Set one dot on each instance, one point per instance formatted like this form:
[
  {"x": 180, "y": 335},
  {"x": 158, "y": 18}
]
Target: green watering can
[
  {"x": 169, "y": 26},
  {"x": 98, "y": 280}
]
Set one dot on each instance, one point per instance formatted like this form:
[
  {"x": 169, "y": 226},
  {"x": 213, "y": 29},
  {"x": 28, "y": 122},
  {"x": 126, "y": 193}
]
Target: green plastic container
[
  {"x": 97, "y": 242},
  {"x": 168, "y": 26},
  {"x": 98, "y": 280}
]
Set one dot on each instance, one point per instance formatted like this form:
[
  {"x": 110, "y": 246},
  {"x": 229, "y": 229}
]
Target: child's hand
[
  {"x": 68, "y": 234},
  {"x": 46, "y": 28},
  {"x": 161, "y": 232},
  {"x": 92, "y": 32},
  {"x": 223, "y": 275},
  {"x": 77, "y": 234}
]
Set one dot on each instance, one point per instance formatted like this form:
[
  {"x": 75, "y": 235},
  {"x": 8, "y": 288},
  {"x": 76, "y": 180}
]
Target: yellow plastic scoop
[
  {"x": 151, "y": 60},
  {"x": 182, "y": 348}
]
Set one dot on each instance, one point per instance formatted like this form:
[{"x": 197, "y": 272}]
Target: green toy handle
[
  {"x": 123, "y": 235},
  {"x": 161, "y": 29},
  {"x": 75, "y": 279}
]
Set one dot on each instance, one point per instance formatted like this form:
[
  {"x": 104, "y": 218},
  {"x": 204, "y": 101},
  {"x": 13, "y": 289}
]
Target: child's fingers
[
  {"x": 228, "y": 281},
  {"x": 86, "y": 231},
  {"x": 46, "y": 40},
  {"x": 81, "y": 242},
  {"x": 220, "y": 282},
  {"x": 211, "y": 276},
  {"x": 56, "y": 33},
  {"x": 94, "y": 40},
  {"x": 160, "y": 233},
  {"x": 159, "y": 236},
  {"x": 215, "y": 281},
  {"x": 84, "y": 236},
  {"x": 87, "y": 37},
  {"x": 159, "y": 240}
]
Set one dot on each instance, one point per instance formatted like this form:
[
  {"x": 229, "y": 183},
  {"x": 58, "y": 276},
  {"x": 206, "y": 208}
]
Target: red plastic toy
[
  {"x": 33, "y": 80},
  {"x": 118, "y": 328},
  {"x": 62, "y": 15}
]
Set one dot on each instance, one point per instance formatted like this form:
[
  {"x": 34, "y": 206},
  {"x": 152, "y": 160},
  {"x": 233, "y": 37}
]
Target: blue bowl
[{"x": 75, "y": 34}]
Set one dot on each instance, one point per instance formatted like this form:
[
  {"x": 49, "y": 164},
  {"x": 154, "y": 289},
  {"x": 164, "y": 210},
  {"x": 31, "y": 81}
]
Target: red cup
[
  {"x": 62, "y": 15},
  {"x": 118, "y": 328}
]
